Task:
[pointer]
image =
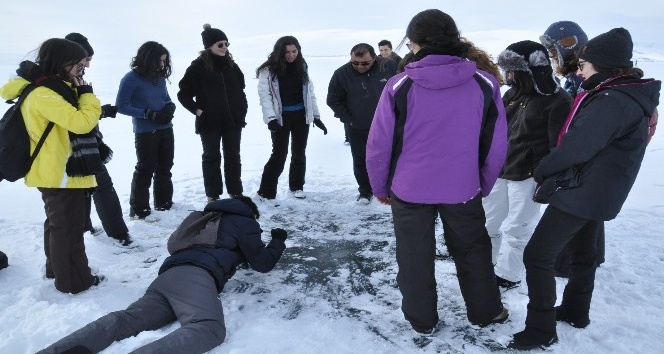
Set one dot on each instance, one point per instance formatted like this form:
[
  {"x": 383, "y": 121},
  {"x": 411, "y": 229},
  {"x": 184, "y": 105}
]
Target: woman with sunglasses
[
  {"x": 65, "y": 167},
  {"x": 143, "y": 96},
  {"x": 289, "y": 106},
  {"x": 213, "y": 90},
  {"x": 591, "y": 172}
]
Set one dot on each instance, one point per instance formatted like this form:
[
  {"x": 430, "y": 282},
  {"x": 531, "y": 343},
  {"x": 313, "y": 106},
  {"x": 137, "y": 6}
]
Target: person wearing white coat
[{"x": 289, "y": 106}]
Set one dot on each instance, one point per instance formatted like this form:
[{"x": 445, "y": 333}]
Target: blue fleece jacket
[{"x": 136, "y": 94}]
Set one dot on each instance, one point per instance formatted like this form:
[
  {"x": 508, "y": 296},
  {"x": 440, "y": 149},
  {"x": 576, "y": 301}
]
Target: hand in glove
[
  {"x": 164, "y": 116},
  {"x": 319, "y": 124},
  {"x": 273, "y": 125},
  {"x": 279, "y": 234},
  {"x": 108, "y": 110}
]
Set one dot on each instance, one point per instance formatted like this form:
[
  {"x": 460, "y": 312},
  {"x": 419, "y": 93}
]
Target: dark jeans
[
  {"x": 295, "y": 123},
  {"x": 358, "y": 148},
  {"x": 211, "y": 160},
  {"x": 66, "y": 218},
  {"x": 556, "y": 230},
  {"x": 185, "y": 293},
  {"x": 470, "y": 247},
  {"x": 154, "y": 154},
  {"x": 108, "y": 206}
]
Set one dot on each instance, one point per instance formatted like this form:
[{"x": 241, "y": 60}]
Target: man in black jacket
[
  {"x": 353, "y": 95},
  {"x": 187, "y": 289}
]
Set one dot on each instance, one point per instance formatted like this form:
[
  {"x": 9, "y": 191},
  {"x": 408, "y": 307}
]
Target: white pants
[{"x": 511, "y": 202}]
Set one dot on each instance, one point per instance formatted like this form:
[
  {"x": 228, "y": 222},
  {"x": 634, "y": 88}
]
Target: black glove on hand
[
  {"x": 164, "y": 116},
  {"x": 279, "y": 234},
  {"x": 108, "y": 110},
  {"x": 273, "y": 125},
  {"x": 319, "y": 124}
]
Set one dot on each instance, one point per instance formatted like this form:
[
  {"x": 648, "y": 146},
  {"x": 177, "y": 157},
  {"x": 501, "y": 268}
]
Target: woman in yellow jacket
[{"x": 64, "y": 169}]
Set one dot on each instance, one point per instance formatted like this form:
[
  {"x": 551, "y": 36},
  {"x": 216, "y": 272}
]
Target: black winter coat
[
  {"x": 218, "y": 93},
  {"x": 534, "y": 122},
  {"x": 353, "y": 96},
  {"x": 239, "y": 237},
  {"x": 605, "y": 143}
]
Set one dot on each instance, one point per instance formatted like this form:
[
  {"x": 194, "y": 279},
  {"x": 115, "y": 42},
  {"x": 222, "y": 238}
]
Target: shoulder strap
[{"x": 26, "y": 91}]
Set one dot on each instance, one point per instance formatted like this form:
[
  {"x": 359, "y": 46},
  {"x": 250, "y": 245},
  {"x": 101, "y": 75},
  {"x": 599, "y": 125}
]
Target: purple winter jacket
[{"x": 439, "y": 158}]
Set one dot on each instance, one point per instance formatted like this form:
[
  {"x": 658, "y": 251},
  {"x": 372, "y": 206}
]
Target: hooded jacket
[
  {"x": 439, "y": 161},
  {"x": 353, "y": 96},
  {"x": 604, "y": 141},
  {"x": 42, "y": 106},
  {"x": 218, "y": 93},
  {"x": 239, "y": 235}
]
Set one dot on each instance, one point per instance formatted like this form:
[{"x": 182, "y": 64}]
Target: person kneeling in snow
[{"x": 187, "y": 288}]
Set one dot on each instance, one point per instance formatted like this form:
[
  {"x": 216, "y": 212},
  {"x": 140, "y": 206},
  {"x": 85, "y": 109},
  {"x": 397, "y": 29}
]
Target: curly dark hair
[
  {"x": 437, "y": 31},
  {"x": 147, "y": 64},
  {"x": 250, "y": 203},
  {"x": 276, "y": 60}
]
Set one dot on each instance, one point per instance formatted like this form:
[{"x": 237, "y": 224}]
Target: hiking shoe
[
  {"x": 506, "y": 284},
  {"x": 4, "y": 262},
  {"x": 212, "y": 199},
  {"x": 563, "y": 316},
  {"x": 364, "y": 199},
  {"x": 528, "y": 340},
  {"x": 97, "y": 279},
  {"x": 427, "y": 331},
  {"x": 124, "y": 239},
  {"x": 140, "y": 214},
  {"x": 163, "y": 207},
  {"x": 500, "y": 318},
  {"x": 263, "y": 198},
  {"x": 299, "y": 194}
]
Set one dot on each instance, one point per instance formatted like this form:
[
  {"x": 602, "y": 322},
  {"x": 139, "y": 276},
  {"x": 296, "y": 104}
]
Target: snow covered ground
[{"x": 334, "y": 290}]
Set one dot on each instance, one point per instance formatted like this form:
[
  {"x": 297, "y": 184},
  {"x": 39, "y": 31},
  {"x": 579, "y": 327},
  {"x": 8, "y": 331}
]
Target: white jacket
[{"x": 268, "y": 91}]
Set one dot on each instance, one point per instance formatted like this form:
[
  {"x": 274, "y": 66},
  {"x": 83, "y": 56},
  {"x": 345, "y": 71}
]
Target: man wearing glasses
[{"x": 353, "y": 95}]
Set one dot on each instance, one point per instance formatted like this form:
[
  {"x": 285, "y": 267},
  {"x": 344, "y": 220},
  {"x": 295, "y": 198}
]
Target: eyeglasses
[
  {"x": 361, "y": 63},
  {"x": 581, "y": 65},
  {"x": 223, "y": 44},
  {"x": 408, "y": 45}
]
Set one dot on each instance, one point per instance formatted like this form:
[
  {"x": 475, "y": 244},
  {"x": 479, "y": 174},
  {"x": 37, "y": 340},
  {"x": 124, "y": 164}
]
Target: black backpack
[
  {"x": 15, "y": 157},
  {"x": 198, "y": 229}
]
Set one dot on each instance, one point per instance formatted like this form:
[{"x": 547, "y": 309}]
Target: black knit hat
[
  {"x": 609, "y": 50},
  {"x": 533, "y": 58},
  {"x": 212, "y": 35},
  {"x": 80, "y": 39}
]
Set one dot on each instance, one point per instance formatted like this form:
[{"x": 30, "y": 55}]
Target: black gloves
[
  {"x": 164, "y": 116},
  {"x": 319, "y": 124},
  {"x": 108, "y": 110},
  {"x": 273, "y": 125},
  {"x": 279, "y": 234}
]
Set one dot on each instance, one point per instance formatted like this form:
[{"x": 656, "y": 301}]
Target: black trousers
[
  {"x": 358, "y": 148},
  {"x": 469, "y": 245},
  {"x": 565, "y": 258},
  {"x": 154, "y": 154},
  {"x": 108, "y": 206},
  {"x": 294, "y": 123},
  {"x": 66, "y": 218},
  {"x": 211, "y": 160},
  {"x": 556, "y": 230}
]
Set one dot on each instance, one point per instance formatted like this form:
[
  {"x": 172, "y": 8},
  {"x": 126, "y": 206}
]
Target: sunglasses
[
  {"x": 223, "y": 44},
  {"x": 581, "y": 65},
  {"x": 361, "y": 63}
]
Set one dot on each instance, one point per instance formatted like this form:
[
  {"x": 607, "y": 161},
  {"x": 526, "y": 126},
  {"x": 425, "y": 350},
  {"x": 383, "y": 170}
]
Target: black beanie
[
  {"x": 212, "y": 35},
  {"x": 533, "y": 58},
  {"x": 80, "y": 39},
  {"x": 609, "y": 50}
]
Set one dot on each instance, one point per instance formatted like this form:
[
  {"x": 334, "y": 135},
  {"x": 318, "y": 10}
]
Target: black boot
[
  {"x": 574, "y": 321},
  {"x": 531, "y": 339}
]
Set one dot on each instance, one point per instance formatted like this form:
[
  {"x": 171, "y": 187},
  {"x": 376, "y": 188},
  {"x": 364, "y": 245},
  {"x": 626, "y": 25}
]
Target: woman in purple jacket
[{"x": 436, "y": 146}]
